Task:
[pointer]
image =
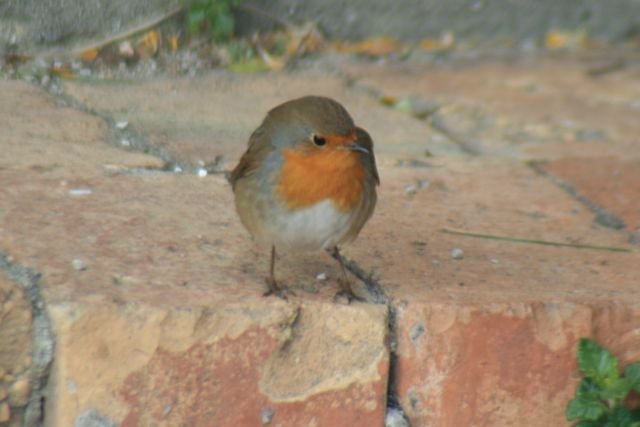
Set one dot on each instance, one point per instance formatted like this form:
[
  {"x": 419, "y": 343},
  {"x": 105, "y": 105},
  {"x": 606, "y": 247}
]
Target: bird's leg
[
  {"x": 345, "y": 284},
  {"x": 274, "y": 289}
]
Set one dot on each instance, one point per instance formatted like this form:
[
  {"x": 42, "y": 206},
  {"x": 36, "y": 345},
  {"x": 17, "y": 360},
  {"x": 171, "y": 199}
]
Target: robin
[{"x": 307, "y": 181}]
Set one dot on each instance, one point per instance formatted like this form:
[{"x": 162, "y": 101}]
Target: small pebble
[
  {"x": 202, "y": 172},
  {"x": 78, "y": 264},
  {"x": 122, "y": 124},
  {"x": 457, "y": 253},
  {"x": 166, "y": 410},
  {"x": 125, "y": 143},
  {"x": 419, "y": 185},
  {"x": 177, "y": 169},
  {"x": 80, "y": 191},
  {"x": 266, "y": 415},
  {"x": 321, "y": 276},
  {"x": 395, "y": 418}
]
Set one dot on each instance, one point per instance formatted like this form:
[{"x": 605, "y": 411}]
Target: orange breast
[{"x": 310, "y": 177}]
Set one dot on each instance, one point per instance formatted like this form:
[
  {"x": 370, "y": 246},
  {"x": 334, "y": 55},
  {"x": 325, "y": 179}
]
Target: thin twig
[{"x": 534, "y": 241}]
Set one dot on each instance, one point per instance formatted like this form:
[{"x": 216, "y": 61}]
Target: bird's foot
[{"x": 277, "y": 291}]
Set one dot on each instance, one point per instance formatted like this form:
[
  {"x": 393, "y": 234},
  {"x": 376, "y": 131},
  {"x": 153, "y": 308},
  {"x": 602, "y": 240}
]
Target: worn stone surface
[
  {"x": 219, "y": 364},
  {"x": 491, "y": 337},
  {"x": 166, "y": 323},
  {"x": 155, "y": 290}
]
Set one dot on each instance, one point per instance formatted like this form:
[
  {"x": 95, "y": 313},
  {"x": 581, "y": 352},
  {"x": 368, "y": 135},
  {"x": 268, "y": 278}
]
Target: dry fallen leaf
[
  {"x": 89, "y": 55},
  {"x": 557, "y": 39},
  {"x": 173, "y": 42},
  {"x": 149, "y": 44},
  {"x": 125, "y": 49},
  {"x": 62, "y": 70},
  {"x": 377, "y": 46},
  {"x": 304, "y": 39}
]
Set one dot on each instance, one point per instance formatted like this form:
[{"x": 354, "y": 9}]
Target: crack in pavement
[
  {"x": 394, "y": 408},
  {"x": 123, "y": 138},
  {"x": 603, "y": 216},
  {"x": 128, "y": 139},
  {"x": 430, "y": 116},
  {"x": 43, "y": 337}
]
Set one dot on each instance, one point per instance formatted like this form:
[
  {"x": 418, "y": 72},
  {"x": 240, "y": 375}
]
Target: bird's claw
[
  {"x": 277, "y": 291},
  {"x": 349, "y": 296}
]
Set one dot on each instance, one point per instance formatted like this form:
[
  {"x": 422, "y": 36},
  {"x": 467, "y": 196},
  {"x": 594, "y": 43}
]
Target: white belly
[{"x": 319, "y": 226}]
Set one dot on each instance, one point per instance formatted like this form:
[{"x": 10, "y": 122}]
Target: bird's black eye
[{"x": 319, "y": 141}]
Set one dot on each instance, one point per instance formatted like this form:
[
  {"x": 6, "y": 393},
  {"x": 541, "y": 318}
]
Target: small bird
[{"x": 307, "y": 181}]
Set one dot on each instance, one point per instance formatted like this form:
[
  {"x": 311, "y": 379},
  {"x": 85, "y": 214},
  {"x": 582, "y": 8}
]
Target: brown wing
[
  {"x": 364, "y": 140},
  {"x": 256, "y": 151}
]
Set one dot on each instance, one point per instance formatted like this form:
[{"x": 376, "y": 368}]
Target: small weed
[
  {"x": 599, "y": 399},
  {"x": 213, "y": 17}
]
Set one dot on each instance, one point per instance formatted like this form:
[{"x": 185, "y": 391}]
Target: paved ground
[{"x": 120, "y": 252}]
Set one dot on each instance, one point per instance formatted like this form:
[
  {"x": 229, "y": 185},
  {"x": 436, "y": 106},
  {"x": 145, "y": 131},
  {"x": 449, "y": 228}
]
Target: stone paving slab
[
  {"x": 527, "y": 108},
  {"x": 200, "y": 120},
  {"x": 608, "y": 182},
  {"x": 150, "y": 281},
  {"x": 154, "y": 290}
]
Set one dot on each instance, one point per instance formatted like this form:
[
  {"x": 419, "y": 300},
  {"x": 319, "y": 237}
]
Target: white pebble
[
  {"x": 395, "y": 418},
  {"x": 78, "y": 264},
  {"x": 121, "y": 125},
  {"x": 80, "y": 191},
  {"x": 125, "y": 143},
  {"x": 202, "y": 172},
  {"x": 321, "y": 276},
  {"x": 457, "y": 253}
]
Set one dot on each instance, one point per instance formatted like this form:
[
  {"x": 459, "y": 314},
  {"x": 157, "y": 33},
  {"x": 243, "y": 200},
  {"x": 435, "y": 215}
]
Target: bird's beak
[{"x": 355, "y": 147}]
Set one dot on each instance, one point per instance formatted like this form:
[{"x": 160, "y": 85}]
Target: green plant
[
  {"x": 214, "y": 17},
  {"x": 599, "y": 399}
]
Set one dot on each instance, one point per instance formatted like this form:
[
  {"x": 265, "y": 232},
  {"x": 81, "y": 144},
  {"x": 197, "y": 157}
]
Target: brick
[
  {"x": 490, "y": 339},
  {"x": 219, "y": 365}
]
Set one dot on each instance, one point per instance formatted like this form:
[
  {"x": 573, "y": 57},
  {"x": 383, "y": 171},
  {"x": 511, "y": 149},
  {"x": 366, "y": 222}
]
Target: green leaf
[
  {"x": 195, "y": 18},
  {"x": 585, "y": 407},
  {"x": 617, "y": 391},
  {"x": 619, "y": 416},
  {"x": 222, "y": 26},
  {"x": 632, "y": 374},
  {"x": 588, "y": 388},
  {"x": 597, "y": 363},
  {"x": 586, "y": 424},
  {"x": 254, "y": 65}
]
